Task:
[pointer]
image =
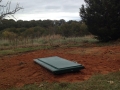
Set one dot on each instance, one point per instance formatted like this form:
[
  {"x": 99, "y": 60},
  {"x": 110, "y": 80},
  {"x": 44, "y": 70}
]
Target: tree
[
  {"x": 5, "y": 10},
  {"x": 102, "y": 18}
]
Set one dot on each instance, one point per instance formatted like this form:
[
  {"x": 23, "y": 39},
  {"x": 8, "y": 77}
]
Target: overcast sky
[{"x": 47, "y": 9}]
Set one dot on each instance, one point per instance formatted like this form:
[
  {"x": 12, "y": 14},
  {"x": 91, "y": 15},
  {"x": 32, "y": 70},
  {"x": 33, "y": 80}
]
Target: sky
[{"x": 46, "y": 9}]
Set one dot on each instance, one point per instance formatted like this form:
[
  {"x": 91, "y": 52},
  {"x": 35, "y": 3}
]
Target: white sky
[{"x": 47, "y": 9}]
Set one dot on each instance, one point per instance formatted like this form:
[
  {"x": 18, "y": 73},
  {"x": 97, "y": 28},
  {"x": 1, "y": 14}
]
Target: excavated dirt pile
[{"x": 19, "y": 70}]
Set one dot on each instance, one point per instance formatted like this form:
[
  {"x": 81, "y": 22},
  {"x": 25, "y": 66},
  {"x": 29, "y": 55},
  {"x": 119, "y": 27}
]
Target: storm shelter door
[{"x": 58, "y": 65}]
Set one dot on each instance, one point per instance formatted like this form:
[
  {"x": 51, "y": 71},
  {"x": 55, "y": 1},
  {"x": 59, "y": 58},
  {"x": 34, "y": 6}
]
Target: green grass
[
  {"x": 7, "y": 48},
  {"x": 21, "y": 50},
  {"x": 48, "y": 42},
  {"x": 6, "y": 52},
  {"x": 97, "y": 82}
]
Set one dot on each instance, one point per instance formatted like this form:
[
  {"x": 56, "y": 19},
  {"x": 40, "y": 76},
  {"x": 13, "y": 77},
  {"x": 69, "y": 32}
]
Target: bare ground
[{"x": 19, "y": 70}]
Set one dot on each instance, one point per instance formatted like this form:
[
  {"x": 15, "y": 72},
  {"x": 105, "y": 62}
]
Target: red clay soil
[{"x": 19, "y": 70}]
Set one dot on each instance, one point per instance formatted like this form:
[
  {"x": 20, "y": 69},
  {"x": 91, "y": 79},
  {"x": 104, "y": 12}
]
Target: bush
[{"x": 102, "y": 18}]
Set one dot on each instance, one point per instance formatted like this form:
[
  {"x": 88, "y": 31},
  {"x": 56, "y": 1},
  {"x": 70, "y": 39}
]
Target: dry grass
[
  {"x": 97, "y": 82},
  {"x": 54, "y": 40},
  {"x": 46, "y": 42}
]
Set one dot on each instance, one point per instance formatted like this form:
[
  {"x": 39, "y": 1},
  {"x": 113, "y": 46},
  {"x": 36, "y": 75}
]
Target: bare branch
[
  {"x": 4, "y": 5},
  {"x": 5, "y": 11}
]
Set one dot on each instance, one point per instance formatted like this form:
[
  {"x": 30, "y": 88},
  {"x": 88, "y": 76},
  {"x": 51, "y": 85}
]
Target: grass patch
[
  {"x": 21, "y": 50},
  {"x": 49, "y": 42},
  {"x": 6, "y": 52},
  {"x": 103, "y": 82},
  {"x": 97, "y": 82},
  {"x": 43, "y": 43}
]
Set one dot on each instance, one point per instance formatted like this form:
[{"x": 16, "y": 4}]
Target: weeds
[
  {"x": 97, "y": 82},
  {"x": 47, "y": 42}
]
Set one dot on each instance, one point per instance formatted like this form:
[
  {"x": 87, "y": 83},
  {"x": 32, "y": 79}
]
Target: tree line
[
  {"x": 99, "y": 17},
  {"x": 10, "y": 29}
]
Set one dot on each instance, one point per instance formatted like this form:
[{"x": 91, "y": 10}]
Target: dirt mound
[{"x": 19, "y": 70}]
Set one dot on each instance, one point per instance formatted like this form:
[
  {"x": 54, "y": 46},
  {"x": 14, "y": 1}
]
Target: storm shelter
[{"x": 58, "y": 65}]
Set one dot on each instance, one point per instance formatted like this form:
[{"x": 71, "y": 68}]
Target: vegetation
[
  {"x": 21, "y": 33},
  {"x": 40, "y": 28},
  {"x": 102, "y": 18},
  {"x": 96, "y": 82},
  {"x": 47, "y": 42}
]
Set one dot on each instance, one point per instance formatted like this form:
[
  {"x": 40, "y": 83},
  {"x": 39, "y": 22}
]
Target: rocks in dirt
[
  {"x": 41, "y": 85},
  {"x": 2, "y": 69},
  {"x": 22, "y": 63},
  {"x": 111, "y": 82}
]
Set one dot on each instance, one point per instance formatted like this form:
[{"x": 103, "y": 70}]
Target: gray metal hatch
[{"x": 58, "y": 65}]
